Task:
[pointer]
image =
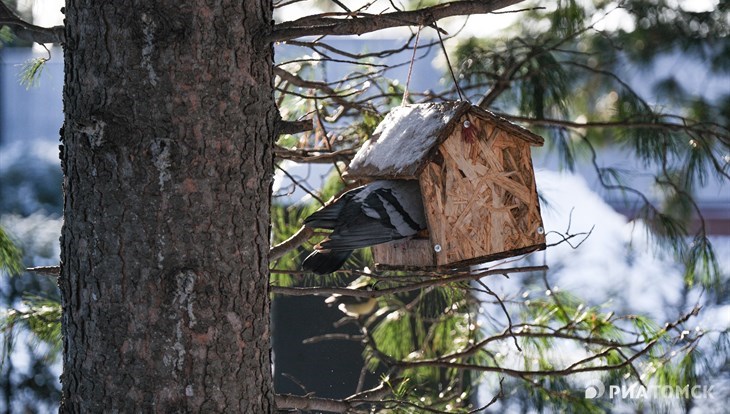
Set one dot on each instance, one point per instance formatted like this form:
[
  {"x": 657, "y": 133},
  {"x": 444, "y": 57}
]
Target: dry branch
[
  {"x": 303, "y": 83},
  {"x": 314, "y": 156},
  {"x": 45, "y": 270},
  {"x": 462, "y": 277},
  {"x": 624, "y": 123},
  {"x": 294, "y": 127},
  {"x": 302, "y": 235},
  {"x": 363, "y": 23},
  {"x": 347, "y": 405},
  {"x": 297, "y": 402},
  {"x": 27, "y": 31}
]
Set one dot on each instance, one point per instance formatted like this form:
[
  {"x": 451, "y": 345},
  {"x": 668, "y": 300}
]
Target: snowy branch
[{"x": 314, "y": 156}]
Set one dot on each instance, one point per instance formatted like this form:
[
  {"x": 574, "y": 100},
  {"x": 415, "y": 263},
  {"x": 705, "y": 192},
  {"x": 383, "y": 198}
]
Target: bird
[
  {"x": 378, "y": 212},
  {"x": 354, "y": 306}
]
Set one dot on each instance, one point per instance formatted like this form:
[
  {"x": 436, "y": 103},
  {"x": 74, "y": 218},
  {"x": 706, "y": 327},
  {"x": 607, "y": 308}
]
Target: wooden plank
[
  {"x": 409, "y": 252},
  {"x": 514, "y": 130}
]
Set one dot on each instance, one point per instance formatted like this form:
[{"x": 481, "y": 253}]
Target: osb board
[
  {"x": 507, "y": 126},
  {"x": 462, "y": 265},
  {"x": 416, "y": 253},
  {"x": 480, "y": 196}
]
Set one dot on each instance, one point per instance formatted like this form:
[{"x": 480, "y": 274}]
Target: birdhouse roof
[{"x": 404, "y": 140}]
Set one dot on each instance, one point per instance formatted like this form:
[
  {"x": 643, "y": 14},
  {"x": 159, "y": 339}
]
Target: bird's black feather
[
  {"x": 323, "y": 262},
  {"x": 379, "y": 212},
  {"x": 328, "y": 216}
]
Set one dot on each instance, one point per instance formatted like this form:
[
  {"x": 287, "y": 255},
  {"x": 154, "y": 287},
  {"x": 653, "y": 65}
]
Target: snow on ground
[
  {"x": 617, "y": 266},
  {"x": 617, "y": 261}
]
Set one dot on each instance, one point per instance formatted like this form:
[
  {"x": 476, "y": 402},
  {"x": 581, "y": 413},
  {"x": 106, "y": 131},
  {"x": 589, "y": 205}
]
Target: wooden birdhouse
[{"x": 476, "y": 179}]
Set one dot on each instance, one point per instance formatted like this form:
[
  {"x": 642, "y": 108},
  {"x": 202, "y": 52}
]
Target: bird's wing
[
  {"x": 400, "y": 205},
  {"x": 362, "y": 231},
  {"x": 379, "y": 214},
  {"x": 328, "y": 216}
]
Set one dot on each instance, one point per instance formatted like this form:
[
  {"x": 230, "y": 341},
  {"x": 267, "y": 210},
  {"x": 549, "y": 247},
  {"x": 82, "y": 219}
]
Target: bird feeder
[{"x": 476, "y": 179}]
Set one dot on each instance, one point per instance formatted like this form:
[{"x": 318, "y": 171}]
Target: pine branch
[
  {"x": 714, "y": 130},
  {"x": 360, "y": 23},
  {"x": 448, "y": 361},
  {"x": 27, "y": 31}
]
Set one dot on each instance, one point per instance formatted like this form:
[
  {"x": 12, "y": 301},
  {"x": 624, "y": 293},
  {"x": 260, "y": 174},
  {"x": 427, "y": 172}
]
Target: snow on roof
[{"x": 403, "y": 139}]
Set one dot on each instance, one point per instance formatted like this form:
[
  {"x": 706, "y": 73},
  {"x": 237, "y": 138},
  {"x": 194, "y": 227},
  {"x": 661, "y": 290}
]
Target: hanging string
[
  {"x": 448, "y": 63},
  {"x": 410, "y": 68}
]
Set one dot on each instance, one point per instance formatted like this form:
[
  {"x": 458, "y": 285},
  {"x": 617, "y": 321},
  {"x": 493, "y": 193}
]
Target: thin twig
[
  {"x": 296, "y": 240},
  {"x": 318, "y": 291},
  {"x": 305, "y": 189},
  {"x": 504, "y": 309},
  {"x": 363, "y": 23}
]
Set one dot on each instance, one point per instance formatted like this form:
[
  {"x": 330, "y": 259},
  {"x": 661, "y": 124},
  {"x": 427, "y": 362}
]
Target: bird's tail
[{"x": 325, "y": 261}]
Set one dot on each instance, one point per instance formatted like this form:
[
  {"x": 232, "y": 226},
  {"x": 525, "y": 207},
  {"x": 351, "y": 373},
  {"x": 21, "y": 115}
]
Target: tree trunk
[{"x": 167, "y": 160}]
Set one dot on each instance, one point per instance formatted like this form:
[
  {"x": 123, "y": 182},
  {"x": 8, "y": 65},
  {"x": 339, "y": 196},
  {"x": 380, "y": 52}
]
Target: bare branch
[
  {"x": 299, "y": 402},
  {"x": 333, "y": 337},
  {"x": 347, "y": 405},
  {"x": 494, "y": 399},
  {"x": 504, "y": 309},
  {"x": 300, "y": 185},
  {"x": 45, "y": 270},
  {"x": 291, "y": 243},
  {"x": 317, "y": 291},
  {"x": 314, "y": 156},
  {"x": 364, "y": 22},
  {"x": 379, "y": 54},
  {"x": 294, "y": 127},
  {"x": 329, "y": 91},
  {"x": 623, "y": 123},
  {"x": 26, "y": 31}
]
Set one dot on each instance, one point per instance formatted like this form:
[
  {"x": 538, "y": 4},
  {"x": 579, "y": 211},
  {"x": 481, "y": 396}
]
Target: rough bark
[{"x": 167, "y": 160}]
